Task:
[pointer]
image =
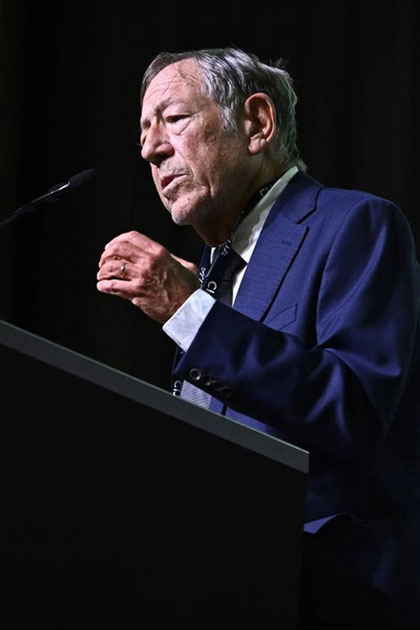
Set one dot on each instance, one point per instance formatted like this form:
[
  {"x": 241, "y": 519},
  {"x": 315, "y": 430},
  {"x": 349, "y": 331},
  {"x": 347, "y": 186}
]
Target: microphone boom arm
[{"x": 52, "y": 195}]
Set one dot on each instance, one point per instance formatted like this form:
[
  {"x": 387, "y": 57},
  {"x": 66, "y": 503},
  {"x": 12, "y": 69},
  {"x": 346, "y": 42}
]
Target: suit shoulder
[
  {"x": 359, "y": 212},
  {"x": 354, "y": 196},
  {"x": 343, "y": 201},
  {"x": 336, "y": 197},
  {"x": 309, "y": 200}
]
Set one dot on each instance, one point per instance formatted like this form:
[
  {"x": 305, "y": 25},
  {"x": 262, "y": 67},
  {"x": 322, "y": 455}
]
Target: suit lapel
[
  {"x": 277, "y": 246},
  {"x": 275, "y": 251}
]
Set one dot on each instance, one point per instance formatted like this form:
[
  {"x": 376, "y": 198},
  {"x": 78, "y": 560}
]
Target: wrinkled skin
[
  {"x": 154, "y": 280},
  {"x": 204, "y": 175}
]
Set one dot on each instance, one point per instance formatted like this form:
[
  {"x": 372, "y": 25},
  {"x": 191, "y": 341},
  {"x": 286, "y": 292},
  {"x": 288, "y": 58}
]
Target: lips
[{"x": 168, "y": 179}]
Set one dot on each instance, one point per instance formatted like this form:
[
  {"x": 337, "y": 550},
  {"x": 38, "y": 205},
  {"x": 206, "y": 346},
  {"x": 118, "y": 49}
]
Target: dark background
[{"x": 70, "y": 74}]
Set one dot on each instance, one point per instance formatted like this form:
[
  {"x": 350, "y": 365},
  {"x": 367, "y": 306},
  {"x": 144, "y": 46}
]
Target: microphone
[{"x": 77, "y": 181}]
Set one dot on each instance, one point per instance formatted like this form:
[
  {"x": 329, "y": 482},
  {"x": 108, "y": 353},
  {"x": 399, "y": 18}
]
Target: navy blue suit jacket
[{"x": 322, "y": 348}]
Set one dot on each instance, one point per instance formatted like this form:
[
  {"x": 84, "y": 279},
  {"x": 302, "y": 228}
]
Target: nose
[{"x": 156, "y": 146}]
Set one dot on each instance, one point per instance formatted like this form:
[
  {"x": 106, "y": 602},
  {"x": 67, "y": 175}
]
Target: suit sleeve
[{"x": 341, "y": 394}]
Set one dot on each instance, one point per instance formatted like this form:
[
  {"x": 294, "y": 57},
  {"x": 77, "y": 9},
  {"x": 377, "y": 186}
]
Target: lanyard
[{"x": 210, "y": 274}]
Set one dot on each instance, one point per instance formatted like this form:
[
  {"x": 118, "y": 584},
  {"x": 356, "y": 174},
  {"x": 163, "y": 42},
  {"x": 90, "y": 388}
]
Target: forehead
[{"x": 181, "y": 80}]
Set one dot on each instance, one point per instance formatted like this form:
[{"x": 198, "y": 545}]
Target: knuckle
[
  {"x": 160, "y": 252},
  {"x": 157, "y": 255}
]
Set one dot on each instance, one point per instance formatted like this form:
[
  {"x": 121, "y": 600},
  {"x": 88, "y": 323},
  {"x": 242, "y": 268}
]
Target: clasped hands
[{"x": 136, "y": 268}]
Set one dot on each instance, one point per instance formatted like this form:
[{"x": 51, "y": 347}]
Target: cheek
[
  {"x": 155, "y": 176},
  {"x": 208, "y": 164},
  {"x": 156, "y": 181},
  {"x": 219, "y": 165}
]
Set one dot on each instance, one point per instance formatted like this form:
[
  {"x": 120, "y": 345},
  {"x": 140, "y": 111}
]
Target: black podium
[{"x": 123, "y": 506}]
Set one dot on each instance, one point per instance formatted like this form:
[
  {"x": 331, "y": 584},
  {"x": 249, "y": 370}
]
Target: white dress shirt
[{"x": 185, "y": 322}]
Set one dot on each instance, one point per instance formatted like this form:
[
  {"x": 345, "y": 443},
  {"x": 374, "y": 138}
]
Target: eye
[{"x": 174, "y": 118}]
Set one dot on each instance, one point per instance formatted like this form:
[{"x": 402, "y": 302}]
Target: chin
[
  {"x": 184, "y": 214},
  {"x": 180, "y": 218}
]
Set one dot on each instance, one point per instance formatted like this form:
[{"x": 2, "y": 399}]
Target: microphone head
[
  {"x": 81, "y": 178},
  {"x": 55, "y": 192}
]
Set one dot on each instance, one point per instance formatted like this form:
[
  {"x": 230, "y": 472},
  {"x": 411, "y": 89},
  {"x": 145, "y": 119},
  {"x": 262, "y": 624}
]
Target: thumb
[{"x": 188, "y": 265}]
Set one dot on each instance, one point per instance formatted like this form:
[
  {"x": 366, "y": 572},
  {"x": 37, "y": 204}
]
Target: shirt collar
[{"x": 246, "y": 234}]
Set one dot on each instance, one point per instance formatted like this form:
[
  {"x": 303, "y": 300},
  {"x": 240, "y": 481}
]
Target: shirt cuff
[{"x": 185, "y": 322}]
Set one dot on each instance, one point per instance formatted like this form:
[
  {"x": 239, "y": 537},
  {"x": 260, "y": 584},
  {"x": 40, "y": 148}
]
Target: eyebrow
[{"x": 161, "y": 106}]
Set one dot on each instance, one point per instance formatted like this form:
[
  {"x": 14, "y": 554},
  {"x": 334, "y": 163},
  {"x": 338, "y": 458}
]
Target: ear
[{"x": 259, "y": 121}]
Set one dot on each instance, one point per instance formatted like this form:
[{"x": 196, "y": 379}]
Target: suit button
[
  {"x": 208, "y": 381},
  {"x": 225, "y": 391},
  {"x": 195, "y": 374}
]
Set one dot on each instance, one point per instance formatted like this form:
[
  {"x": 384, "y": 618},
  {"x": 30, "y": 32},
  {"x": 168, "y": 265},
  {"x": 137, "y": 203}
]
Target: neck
[{"x": 217, "y": 233}]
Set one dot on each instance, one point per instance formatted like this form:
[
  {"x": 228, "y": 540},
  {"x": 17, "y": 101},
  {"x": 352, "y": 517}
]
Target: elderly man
[{"x": 302, "y": 319}]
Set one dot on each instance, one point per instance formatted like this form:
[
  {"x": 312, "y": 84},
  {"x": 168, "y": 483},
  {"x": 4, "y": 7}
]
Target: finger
[
  {"x": 133, "y": 237},
  {"x": 114, "y": 268},
  {"x": 131, "y": 246},
  {"x": 112, "y": 286},
  {"x": 113, "y": 249},
  {"x": 125, "y": 236},
  {"x": 106, "y": 258},
  {"x": 121, "y": 288},
  {"x": 117, "y": 251}
]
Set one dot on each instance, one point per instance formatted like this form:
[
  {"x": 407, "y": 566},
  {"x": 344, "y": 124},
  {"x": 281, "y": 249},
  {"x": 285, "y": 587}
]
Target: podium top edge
[{"x": 67, "y": 360}]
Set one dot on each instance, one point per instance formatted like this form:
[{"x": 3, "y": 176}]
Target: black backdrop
[{"x": 70, "y": 73}]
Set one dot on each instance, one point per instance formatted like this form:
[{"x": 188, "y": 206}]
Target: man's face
[{"x": 201, "y": 172}]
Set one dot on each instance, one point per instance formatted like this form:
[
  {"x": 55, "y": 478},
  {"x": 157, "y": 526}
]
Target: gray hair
[{"x": 230, "y": 76}]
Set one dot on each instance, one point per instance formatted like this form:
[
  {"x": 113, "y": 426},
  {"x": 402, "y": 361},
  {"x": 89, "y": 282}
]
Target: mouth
[{"x": 166, "y": 180}]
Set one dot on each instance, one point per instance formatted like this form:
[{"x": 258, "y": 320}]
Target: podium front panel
[{"x": 116, "y": 514}]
